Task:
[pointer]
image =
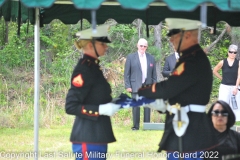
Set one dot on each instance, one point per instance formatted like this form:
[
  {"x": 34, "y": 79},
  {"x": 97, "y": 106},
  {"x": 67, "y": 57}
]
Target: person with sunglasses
[
  {"x": 230, "y": 79},
  {"x": 223, "y": 119},
  {"x": 140, "y": 69},
  {"x": 89, "y": 98}
]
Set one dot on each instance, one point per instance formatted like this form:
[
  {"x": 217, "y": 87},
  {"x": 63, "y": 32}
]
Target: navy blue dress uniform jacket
[
  {"x": 88, "y": 90},
  {"x": 190, "y": 83}
]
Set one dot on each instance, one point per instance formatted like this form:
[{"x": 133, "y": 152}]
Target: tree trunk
[
  {"x": 158, "y": 44},
  {"x": 139, "y": 25},
  {"x": 207, "y": 49},
  {"x": 158, "y": 35}
]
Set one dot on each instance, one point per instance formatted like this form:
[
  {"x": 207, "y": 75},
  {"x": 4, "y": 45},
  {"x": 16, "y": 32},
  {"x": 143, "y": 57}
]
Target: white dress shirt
[
  {"x": 143, "y": 62},
  {"x": 176, "y": 55}
]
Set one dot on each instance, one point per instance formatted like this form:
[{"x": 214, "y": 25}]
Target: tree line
[{"x": 58, "y": 57}]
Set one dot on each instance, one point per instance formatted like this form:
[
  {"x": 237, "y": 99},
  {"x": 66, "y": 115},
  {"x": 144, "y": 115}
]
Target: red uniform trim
[
  {"x": 84, "y": 151},
  {"x": 180, "y": 69},
  {"x": 78, "y": 81},
  {"x": 84, "y": 111}
]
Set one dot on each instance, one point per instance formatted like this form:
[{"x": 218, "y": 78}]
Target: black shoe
[{"x": 134, "y": 129}]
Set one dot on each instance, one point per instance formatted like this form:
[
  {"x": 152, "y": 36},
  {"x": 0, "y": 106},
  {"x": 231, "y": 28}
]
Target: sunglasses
[
  {"x": 217, "y": 113},
  {"x": 232, "y": 52},
  {"x": 143, "y": 46}
]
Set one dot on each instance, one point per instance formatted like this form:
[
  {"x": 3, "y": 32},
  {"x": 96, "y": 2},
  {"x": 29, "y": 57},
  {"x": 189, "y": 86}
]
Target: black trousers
[{"x": 136, "y": 114}]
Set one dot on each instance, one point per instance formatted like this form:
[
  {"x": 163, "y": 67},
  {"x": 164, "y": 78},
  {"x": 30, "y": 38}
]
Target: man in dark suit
[
  {"x": 169, "y": 64},
  {"x": 139, "y": 70}
]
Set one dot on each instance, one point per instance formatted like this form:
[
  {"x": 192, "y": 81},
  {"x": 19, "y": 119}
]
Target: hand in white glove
[
  {"x": 159, "y": 105},
  {"x": 108, "y": 109}
]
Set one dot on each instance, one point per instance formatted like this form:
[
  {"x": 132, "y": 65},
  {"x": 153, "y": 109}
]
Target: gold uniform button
[
  {"x": 84, "y": 111},
  {"x": 90, "y": 112}
]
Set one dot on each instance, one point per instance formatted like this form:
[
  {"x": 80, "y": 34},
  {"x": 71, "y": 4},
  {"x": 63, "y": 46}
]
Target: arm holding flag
[{"x": 125, "y": 101}]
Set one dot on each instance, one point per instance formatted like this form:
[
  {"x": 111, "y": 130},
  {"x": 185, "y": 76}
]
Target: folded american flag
[{"x": 125, "y": 101}]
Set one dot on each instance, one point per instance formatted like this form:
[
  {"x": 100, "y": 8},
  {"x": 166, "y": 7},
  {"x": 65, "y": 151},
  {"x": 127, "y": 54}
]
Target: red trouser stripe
[{"x": 84, "y": 151}]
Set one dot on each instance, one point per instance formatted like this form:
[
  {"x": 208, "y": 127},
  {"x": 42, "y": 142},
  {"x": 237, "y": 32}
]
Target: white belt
[
  {"x": 190, "y": 107},
  {"x": 181, "y": 127}
]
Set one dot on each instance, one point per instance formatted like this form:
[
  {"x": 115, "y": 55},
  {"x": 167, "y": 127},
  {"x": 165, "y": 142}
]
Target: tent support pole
[{"x": 36, "y": 81}]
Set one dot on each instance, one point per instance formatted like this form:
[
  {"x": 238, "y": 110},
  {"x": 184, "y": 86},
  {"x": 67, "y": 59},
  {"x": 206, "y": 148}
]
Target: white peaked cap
[
  {"x": 183, "y": 24},
  {"x": 100, "y": 34}
]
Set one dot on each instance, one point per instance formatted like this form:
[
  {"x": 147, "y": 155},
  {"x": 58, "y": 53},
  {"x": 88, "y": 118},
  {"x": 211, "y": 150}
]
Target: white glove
[
  {"x": 159, "y": 105},
  {"x": 108, "y": 109}
]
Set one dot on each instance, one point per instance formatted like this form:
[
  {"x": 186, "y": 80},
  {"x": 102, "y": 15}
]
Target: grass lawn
[{"x": 54, "y": 143}]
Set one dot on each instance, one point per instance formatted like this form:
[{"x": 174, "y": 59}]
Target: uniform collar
[
  {"x": 190, "y": 50},
  {"x": 91, "y": 59}
]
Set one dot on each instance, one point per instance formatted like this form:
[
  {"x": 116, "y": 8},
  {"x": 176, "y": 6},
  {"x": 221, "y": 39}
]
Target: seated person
[{"x": 223, "y": 119}]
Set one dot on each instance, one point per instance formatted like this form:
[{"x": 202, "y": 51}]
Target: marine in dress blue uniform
[
  {"x": 189, "y": 88},
  {"x": 89, "y": 99}
]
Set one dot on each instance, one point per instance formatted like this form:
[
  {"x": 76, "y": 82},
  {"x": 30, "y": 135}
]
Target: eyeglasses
[
  {"x": 143, "y": 46},
  {"x": 217, "y": 113},
  {"x": 232, "y": 52}
]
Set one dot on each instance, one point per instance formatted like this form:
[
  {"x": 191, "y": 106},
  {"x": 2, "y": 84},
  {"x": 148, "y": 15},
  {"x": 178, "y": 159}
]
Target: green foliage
[
  {"x": 218, "y": 53},
  {"x": 19, "y": 49},
  {"x": 124, "y": 41},
  {"x": 58, "y": 56},
  {"x": 2, "y": 32},
  {"x": 123, "y": 117},
  {"x": 123, "y": 32},
  {"x": 58, "y": 41},
  {"x": 117, "y": 89},
  {"x": 3, "y": 90},
  {"x": 235, "y": 32},
  {"x": 156, "y": 52}
]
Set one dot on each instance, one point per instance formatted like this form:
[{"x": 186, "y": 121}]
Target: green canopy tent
[
  {"x": 153, "y": 15},
  {"x": 123, "y": 11},
  {"x": 184, "y": 5}
]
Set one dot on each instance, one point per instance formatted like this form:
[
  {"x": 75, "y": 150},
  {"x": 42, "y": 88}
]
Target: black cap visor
[
  {"x": 103, "y": 39},
  {"x": 173, "y": 32}
]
